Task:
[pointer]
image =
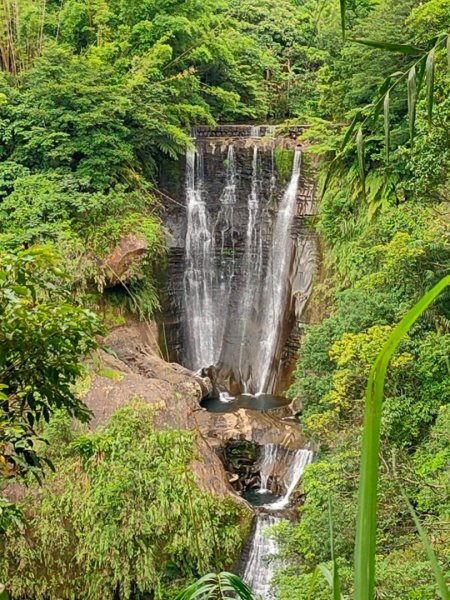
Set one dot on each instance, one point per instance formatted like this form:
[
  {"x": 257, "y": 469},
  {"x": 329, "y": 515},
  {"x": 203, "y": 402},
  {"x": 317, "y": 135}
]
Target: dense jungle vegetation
[{"x": 95, "y": 95}]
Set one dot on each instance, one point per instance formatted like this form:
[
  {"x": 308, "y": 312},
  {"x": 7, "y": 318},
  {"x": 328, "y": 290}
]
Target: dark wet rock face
[{"x": 241, "y": 256}]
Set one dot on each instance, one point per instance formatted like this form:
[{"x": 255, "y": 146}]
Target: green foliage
[
  {"x": 123, "y": 515},
  {"x": 217, "y": 587},
  {"x": 365, "y": 547},
  {"x": 43, "y": 338}
]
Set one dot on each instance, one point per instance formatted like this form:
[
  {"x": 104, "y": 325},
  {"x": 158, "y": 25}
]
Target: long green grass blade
[
  {"x": 367, "y": 498},
  {"x": 390, "y": 47},
  {"x": 387, "y": 126},
  {"x": 412, "y": 101},
  {"x": 430, "y": 83},
  {"x": 312, "y": 587},
  {"x": 360, "y": 151},
  {"x": 444, "y": 591}
]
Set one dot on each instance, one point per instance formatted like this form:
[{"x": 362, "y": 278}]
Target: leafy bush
[{"x": 123, "y": 515}]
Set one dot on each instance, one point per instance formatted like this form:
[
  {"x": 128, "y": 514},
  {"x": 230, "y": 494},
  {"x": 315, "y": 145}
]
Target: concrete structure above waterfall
[{"x": 242, "y": 255}]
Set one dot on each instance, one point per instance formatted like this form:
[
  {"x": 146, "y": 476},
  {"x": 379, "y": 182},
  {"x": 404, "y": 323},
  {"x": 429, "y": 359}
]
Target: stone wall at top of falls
[{"x": 241, "y": 255}]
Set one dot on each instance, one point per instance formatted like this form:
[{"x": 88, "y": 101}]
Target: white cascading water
[
  {"x": 277, "y": 279},
  {"x": 225, "y": 225},
  {"x": 235, "y": 301},
  {"x": 260, "y": 567},
  {"x": 198, "y": 275},
  {"x": 302, "y": 458},
  {"x": 253, "y": 268},
  {"x": 262, "y": 562},
  {"x": 269, "y": 460}
]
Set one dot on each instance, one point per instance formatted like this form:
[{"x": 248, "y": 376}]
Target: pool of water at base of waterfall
[{"x": 227, "y": 403}]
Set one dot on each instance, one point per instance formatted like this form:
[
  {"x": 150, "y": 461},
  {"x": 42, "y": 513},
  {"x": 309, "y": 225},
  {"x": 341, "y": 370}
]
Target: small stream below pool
[{"x": 274, "y": 476}]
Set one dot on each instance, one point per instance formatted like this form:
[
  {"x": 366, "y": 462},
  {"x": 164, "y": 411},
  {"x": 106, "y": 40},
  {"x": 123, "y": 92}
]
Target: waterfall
[
  {"x": 269, "y": 460},
  {"x": 302, "y": 458},
  {"x": 241, "y": 260},
  {"x": 253, "y": 272},
  {"x": 263, "y": 550},
  {"x": 260, "y": 567},
  {"x": 277, "y": 280},
  {"x": 226, "y": 272},
  {"x": 198, "y": 276}
]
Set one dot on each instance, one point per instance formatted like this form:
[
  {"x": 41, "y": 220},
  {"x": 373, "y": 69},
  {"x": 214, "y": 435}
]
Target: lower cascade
[
  {"x": 262, "y": 558},
  {"x": 261, "y": 565}
]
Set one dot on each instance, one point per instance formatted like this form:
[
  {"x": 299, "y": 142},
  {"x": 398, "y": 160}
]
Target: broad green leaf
[
  {"x": 386, "y": 123},
  {"x": 391, "y": 47},
  {"x": 366, "y": 524},
  {"x": 360, "y": 151},
  {"x": 430, "y": 83},
  {"x": 444, "y": 591},
  {"x": 412, "y": 100}
]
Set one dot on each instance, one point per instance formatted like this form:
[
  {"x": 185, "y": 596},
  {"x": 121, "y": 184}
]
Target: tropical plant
[
  {"x": 43, "y": 338},
  {"x": 217, "y": 587}
]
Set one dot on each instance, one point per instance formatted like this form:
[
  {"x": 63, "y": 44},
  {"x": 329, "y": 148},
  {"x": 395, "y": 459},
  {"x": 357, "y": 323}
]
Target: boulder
[{"x": 125, "y": 257}]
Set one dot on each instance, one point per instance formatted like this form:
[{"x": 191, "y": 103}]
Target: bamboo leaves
[
  {"x": 406, "y": 49},
  {"x": 430, "y": 82},
  {"x": 360, "y": 151},
  {"x": 367, "y": 499},
  {"x": 387, "y": 129},
  {"x": 412, "y": 101}
]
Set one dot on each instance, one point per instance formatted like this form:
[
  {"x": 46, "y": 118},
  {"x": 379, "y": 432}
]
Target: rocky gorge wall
[{"x": 226, "y": 197}]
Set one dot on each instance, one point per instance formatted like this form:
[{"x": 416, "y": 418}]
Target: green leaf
[
  {"x": 387, "y": 132},
  {"x": 360, "y": 151},
  {"x": 430, "y": 83},
  {"x": 448, "y": 51},
  {"x": 218, "y": 586},
  {"x": 366, "y": 524},
  {"x": 412, "y": 101},
  {"x": 390, "y": 47},
  {"x": 351, "y": 129},
  {"x": 343, "y": 7}
]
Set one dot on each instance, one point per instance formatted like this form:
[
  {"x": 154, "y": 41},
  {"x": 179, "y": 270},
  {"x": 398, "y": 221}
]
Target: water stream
[{"x": 262, "y": 558}]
